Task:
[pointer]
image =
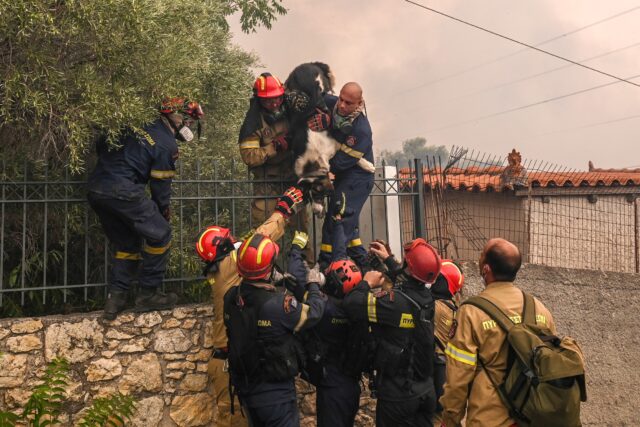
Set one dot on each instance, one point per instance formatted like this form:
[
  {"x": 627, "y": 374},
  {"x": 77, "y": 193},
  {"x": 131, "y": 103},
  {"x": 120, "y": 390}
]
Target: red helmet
[
  {"x": 183, "y": 106},
  {"x": 344, "y": 274},
  {"x": 256, "y": 257},
  {"x": 453, "y": 274},
  {"x": 214, "y": 243},
  {"x": 422, "y": 260},
  {"x": 268, "y": 86}
]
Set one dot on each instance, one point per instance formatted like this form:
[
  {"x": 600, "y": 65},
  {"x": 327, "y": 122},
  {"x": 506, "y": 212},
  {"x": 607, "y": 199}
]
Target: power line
[
  {"x": 587, "y": 126},
  {"x": 509, "y": 55},
  {"x": 522, "y": 107},
  {"x": 522, "y": 79},
  {"x": 520, "y": 43}
]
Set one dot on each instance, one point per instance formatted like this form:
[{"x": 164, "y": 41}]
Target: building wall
[
  {"x": 473, "y": 218},
  {"x": 572, "y": 232}
]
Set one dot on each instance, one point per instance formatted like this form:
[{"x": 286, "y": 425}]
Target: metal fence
[
  {"x": 54, "y": 256},
  {"x": 558, "y": 216}
]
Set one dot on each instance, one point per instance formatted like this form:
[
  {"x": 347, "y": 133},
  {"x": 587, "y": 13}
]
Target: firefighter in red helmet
[
  {"x": 330, "y": 351},
  {"x": 446, "y": 293},
  {"x": 217, "y": 247},
  {"x": 261, "y": 321},
  {"x": 138, "y": 226},
  {"x": 265, "y": 149},
  {"x": 401, "y": 321}
]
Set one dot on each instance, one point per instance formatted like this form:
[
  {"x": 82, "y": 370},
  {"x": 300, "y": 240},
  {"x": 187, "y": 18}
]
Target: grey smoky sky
[{"x": 425, "y": 75}]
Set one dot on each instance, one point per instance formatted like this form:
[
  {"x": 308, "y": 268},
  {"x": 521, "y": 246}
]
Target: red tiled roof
[{"x": 494, "y": 178}]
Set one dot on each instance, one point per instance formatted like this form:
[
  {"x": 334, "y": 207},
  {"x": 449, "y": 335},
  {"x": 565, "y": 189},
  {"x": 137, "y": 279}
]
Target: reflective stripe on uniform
[
  {"x": 251, "y": 143},
  {"x": 326, "y": 248},
  {"x": 371, "y": 308},
  {"x": 461, "y": 355},
  {"x": 351, "y": 152},
  {"x": 156, "y": 251},
  {"x": 128, "y": 255},
  {"x": 157, "y": 174},
  {"x": 354, "y": 242}
]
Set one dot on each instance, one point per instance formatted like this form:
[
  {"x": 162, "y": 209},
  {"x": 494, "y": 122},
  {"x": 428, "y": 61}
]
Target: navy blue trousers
[
  {"x": 356, "y": 190},
  {"x": 139, "y": 236}
]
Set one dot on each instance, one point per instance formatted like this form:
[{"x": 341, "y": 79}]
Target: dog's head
[{"x": 316, "y": 188}]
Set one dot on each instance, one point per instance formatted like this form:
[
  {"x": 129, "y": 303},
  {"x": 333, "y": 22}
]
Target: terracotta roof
[{"x": 500, "y": 178}]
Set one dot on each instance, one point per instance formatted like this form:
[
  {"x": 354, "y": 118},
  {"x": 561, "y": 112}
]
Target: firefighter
[
  {"x": 138, "y": 226},
  {"x": 261, "y": 320},
  {"x": 351, "y": 128},
  {"x": 217, "y": 247},
  {"x": 264, "y": 148},
  {"x": 446, "y": 293},
  {"x": 333, "y": 353},
  {"x": 402, "y": 329},
  {"x": 468, "y": 388}
]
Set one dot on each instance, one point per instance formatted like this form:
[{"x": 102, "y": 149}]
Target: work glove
[
  {"x": 289, "y": 201},
  {"x": 319, "y": 121},
  {"x": 315, "y": 276},
  {"x": 300, "y": 239},
  {"x": 280, "y": 143}
]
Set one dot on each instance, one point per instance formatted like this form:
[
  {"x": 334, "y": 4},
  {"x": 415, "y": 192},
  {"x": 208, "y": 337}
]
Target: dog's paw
[{"x": 367, "y": 165}]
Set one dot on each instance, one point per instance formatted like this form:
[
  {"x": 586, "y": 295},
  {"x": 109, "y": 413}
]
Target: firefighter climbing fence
[
  {"x": 558, "y": 216},
  {"x": 55, "y": 258}
]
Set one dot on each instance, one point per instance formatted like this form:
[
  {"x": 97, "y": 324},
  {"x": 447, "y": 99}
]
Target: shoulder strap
[
  {"x": 492, "y": 310},
  {"x": 411, "y": 300},
  {"x": 449, "y": 304}
]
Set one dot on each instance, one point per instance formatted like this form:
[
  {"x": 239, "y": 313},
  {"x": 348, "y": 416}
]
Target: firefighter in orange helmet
[
  {"x": 446, "y": 293},
  {"x": 261, "y": 322},
  {"x": 218, "y": 249},
  {"x": 401, "y": 322}
]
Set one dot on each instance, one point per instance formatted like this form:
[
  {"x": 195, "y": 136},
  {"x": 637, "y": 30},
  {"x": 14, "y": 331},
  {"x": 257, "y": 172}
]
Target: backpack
[{"x": 544, "y": 382}]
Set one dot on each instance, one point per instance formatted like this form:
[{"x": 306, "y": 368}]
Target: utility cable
[{"x": 520, "y": 43}]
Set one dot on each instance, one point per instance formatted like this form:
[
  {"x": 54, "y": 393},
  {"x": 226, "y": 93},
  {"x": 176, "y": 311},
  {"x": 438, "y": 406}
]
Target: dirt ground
[{"x": 600, "y": 310}]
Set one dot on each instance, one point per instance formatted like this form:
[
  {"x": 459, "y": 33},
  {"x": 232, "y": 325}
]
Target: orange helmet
[
  {"x": 256, "y": 257},
  {"x": 422, "y": 260},
  {"x": 268, "y": 86},
  {"x": 453, "y": 274},
  {"x": 183, "y": 106},
  {"x": 214, "y": 243},
  {"x": 342, "y": 276}
]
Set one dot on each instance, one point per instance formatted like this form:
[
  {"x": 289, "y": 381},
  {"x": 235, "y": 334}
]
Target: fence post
[
  {"x": 418, "y": 202},
  {"x": 637, "y": 232}
]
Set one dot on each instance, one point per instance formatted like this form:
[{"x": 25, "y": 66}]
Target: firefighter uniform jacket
[
  {"x": 478, "y": 336},
  {"x": 227, "y": 276},
  {"x": 259, "y": 154},
  {"x": 147, "y": 154},
  {"x": 391, "y": 318},
  {"x": 354, "y": 146}
]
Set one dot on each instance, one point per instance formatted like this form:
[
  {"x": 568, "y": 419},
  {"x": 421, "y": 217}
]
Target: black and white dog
[{"x": 305, "y": 89}]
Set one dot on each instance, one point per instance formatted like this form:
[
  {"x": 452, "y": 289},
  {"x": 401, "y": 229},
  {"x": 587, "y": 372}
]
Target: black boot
[
  {"x": 116, "y": 301},
  {"x": 151, "y": 299}
]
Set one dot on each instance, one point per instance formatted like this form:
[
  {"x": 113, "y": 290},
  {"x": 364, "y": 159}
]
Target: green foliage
[
  {"x": 255, "y": 12},
  {"x": 416, "y": 148},
  {"x": 109, "y": 411},
  {"x": 72, "y": 69},
  {"x": 44, "y": 406}
]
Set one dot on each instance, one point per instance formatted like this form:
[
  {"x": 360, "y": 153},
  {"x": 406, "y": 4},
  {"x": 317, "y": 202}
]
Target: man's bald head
[
  {"x": 350, "y": 98},
  {"x": 503, "y": 259}
]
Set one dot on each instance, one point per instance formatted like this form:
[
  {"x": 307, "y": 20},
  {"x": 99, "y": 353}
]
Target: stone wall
[
  {"x": 161, "y": 358},
  {"x": 158, "y": 357}
]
